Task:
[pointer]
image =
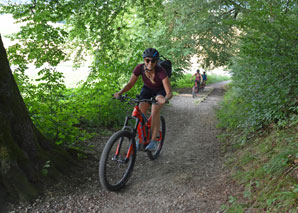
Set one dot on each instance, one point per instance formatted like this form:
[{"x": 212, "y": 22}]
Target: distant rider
[
  {"x": 198, "y": 79},
  {"x": 204, "y": 76}
]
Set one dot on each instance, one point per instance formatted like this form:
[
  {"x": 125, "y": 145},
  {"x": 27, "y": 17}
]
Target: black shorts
[
  {"x": 147, "y": 93},
  {"x": 198, "y": 82}
]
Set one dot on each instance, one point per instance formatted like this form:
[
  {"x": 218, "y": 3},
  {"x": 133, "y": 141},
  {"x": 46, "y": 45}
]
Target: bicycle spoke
[
  {"x": 117, "y": 167},
  {"x": 117, "y": 161}
]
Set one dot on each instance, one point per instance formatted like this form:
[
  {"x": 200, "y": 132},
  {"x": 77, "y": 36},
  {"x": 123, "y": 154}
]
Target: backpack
[{"x": 166, "y": 64}]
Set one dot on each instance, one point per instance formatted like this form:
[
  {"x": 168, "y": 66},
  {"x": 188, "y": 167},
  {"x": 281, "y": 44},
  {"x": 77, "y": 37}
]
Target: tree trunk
[{"x": 24, "y": 151}]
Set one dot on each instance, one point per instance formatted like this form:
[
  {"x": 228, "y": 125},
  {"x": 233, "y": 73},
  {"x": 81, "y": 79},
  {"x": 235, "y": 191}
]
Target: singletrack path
[{"x": 187, "y": 177}]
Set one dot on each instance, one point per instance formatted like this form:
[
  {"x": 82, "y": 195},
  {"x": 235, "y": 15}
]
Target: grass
[{"x": 267, "y": 168}]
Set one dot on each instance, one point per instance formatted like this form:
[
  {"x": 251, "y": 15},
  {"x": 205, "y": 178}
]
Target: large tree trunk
[{"x": 23, "y": 149}]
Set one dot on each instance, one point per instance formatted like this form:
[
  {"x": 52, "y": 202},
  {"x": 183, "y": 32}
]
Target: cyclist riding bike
[
  {"x": 156, "y": 84},
  {"x": 204, "y": 76},
  {"x": 198, "y": 79}
]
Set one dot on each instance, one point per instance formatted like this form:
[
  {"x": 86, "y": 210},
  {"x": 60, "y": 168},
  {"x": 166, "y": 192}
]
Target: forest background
[{"x": 256, "y": 40}]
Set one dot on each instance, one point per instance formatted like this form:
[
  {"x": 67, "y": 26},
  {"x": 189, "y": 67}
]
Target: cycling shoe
[{"x": 151, "y": 146}]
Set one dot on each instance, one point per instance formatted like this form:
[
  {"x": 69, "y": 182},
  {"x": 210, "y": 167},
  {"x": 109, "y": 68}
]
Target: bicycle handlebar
[{"x": 133, "y": 101}]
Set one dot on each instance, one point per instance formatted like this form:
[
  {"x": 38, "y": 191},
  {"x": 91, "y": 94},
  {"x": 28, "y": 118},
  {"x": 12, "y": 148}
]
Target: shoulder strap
[{"x": 161, "y": 56}]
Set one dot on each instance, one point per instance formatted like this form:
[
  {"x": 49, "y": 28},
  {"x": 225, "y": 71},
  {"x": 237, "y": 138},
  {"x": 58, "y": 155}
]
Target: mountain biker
[
  {"x": 198, "y": 78},
  {"x": 156, "y": 83},
  {"x": 204, "y": 76}
]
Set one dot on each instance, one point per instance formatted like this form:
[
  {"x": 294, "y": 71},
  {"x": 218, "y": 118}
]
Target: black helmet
[
  {"x": 151, "y": 53},
  {"x": 198, "y": 71}
]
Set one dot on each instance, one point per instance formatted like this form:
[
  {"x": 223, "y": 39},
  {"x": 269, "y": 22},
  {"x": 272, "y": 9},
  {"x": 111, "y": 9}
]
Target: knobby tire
[{"x": 110, "y": 175}]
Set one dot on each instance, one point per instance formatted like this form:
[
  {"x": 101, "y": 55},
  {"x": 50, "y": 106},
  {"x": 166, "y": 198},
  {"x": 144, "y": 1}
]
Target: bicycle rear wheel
[
  {"x": 117, "y": 161},
  {"x": 160, "y": 139},
  {"x": 203, "y": 86}
]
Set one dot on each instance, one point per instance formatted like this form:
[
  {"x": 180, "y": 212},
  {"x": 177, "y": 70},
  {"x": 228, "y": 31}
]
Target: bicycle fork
[{"x": 130, "y": 147}]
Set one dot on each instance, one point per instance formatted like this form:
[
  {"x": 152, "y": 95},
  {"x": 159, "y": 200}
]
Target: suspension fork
[
  {"x": 133, "y": 131},
  {"x": 130, "y": 149}
]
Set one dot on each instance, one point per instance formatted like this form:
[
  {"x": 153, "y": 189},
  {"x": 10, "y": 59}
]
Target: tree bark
[{"x": 24, "y": 151}]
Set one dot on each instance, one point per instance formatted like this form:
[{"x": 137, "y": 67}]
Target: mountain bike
[
  {"x": 203, "y": 85},
  {"x": 195, "y": 89},
  {"x": 119, "y": 154}
]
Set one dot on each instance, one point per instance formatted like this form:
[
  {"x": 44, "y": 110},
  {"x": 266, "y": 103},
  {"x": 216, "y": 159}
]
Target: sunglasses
[{"x": 153, "y": 61}]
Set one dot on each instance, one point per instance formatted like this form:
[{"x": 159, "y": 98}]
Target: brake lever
[
  {"x": 153, "y": 100},
  {"x": 120, "y": 97}
]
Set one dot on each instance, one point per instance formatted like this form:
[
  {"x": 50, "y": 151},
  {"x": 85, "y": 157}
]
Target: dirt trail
[{"x": 187, "y": 177}]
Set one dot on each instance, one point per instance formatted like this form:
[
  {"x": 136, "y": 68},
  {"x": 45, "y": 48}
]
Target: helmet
[
  {"x": 198, "y": 71},
  {"x": 151, "y": 53}
]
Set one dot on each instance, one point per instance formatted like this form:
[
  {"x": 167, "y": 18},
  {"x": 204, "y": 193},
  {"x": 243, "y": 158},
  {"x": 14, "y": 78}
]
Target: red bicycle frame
[
  {"x": 144, "y": 125},
  {"x": 142, "y": 128}
]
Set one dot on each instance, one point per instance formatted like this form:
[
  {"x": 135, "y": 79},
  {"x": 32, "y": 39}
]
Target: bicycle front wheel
[
  {"x": 117, "y": 161},
  {"x": 160, "y": 139},
  {"x": 193, "y": 92}
]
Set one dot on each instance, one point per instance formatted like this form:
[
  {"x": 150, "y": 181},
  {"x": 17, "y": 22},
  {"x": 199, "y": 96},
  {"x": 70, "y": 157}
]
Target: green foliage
[
  {"x": 114, "y": 33},
  {"x": 213, "y": 78},
  {"x": 266, "y": 167},
  {"x": 53, "y": 108},
  {"x": 229, "y": 114},
  {"x": 265, "y": 71},
  {"x": 185, "y": 81},
  {"x": 203, "y": 28},
  {"x": 261, "y": 96}
]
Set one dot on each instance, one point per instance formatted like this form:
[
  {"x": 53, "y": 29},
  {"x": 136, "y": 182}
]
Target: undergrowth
[{"x": 266, "y": 167}]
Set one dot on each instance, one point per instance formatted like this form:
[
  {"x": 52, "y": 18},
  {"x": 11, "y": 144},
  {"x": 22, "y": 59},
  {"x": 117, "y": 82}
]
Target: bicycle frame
[{"x": 142, "y": 127}]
